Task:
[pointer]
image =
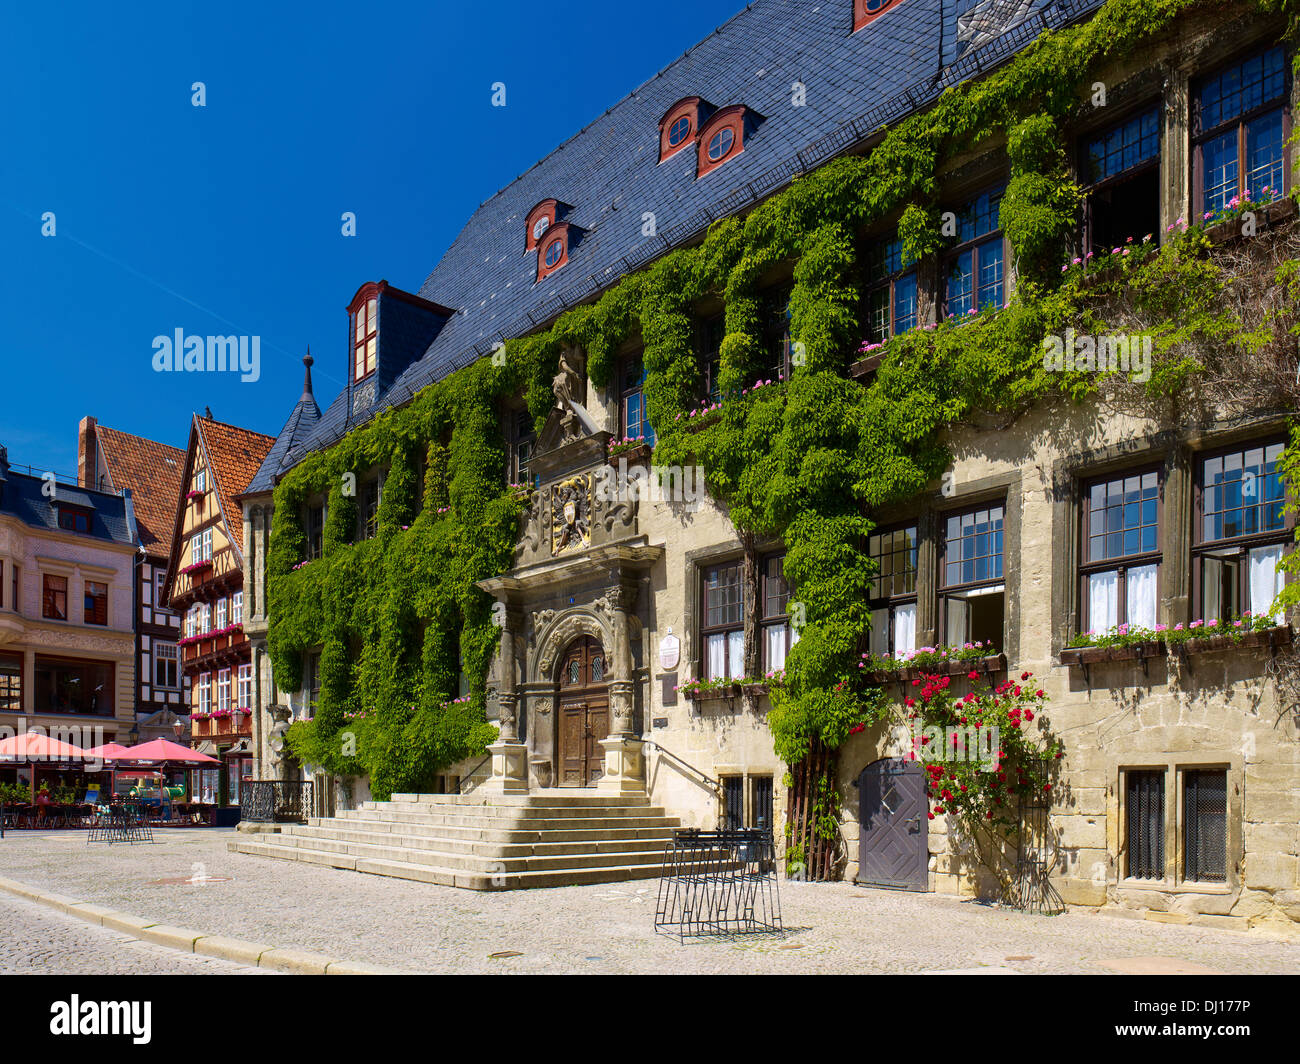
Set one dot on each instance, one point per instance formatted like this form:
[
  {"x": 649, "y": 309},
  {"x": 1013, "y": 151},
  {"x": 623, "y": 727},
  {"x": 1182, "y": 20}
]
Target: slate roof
[
  {"x": 21, "y": 496},
  {"x": 609, "y": 171},
  {"x": 234, "y": 457},
  {"x": 153, "y": 472},
  {"x": 287, "y": 450}
]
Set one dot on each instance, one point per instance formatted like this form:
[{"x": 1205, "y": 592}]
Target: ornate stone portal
[{"x": 579, "y": 578}]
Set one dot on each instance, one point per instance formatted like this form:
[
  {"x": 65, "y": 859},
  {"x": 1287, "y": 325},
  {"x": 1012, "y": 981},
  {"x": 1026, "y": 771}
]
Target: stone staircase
[{"x": 549, "y": 838}]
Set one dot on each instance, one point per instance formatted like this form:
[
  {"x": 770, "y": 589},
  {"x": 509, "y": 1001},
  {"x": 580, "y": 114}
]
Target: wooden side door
[{"x": 893, "y": 848}]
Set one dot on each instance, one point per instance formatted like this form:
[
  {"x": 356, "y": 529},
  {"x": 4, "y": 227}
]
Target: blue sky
[{"x": 226, "y": 218}]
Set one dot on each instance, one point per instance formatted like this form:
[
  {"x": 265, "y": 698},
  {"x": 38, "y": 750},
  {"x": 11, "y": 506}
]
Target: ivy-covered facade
[{"x": 974, "y": 430}]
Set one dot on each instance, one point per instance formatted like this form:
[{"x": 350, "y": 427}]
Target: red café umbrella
[
  {"x": 164, "y": 751},
  {"x": 37, "y": 746},
  {"x": 111, "y": 752}
]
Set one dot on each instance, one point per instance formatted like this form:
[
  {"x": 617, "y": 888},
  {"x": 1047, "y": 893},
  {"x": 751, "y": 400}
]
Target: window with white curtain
[
  {"x": 1121, "y": 551},
  {"x": 778, "y": 634},
  {"x": 723, "y": 631},
  {"x": 893, "y": 590},
  {"x": 1241, "y": 532}
]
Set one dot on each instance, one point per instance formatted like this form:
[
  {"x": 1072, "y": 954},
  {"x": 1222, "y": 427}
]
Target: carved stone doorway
[{"x": 582, "y": 702}]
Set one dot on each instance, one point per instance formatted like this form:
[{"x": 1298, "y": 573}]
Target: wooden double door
[{"x": 583, "y": 703}]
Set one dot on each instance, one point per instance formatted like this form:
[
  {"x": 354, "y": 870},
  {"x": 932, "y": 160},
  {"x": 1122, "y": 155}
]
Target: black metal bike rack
[{"x": 719, "y": 883}]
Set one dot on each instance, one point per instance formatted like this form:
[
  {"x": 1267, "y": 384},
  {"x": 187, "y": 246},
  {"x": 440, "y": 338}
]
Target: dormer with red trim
[
  {"x": 680, "y": 125},
  {"x": 388, "y": 329},
  {"x": 722, "y": 137},
  {"x": 540, "y": 219},
  {"x": 554, "y": 247},
  {"x": 866, "y": 12}
]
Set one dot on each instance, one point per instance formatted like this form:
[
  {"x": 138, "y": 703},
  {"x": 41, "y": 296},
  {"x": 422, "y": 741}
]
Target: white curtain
[
  {"x": 1266, "y": 580},
  {"x": 717, "y": 656},
  {"x": 880, "y": 632},
  {"x": 1103, "y": 601},
  {"x": 1141, "y": 595},
  {"x": 905, "y": 629},
  {"x": 736, "y": 654},
  {"x": 775, "y": 646},
  {"x": 957, "y": 622}
]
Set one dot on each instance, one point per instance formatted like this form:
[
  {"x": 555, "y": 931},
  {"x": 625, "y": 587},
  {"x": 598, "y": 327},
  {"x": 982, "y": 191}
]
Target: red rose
[
  {"x": 972, "y": 675},
  {"x": 1039, "y": 693},
  {"x": 1026, "y": 675},
  {"x": 930, "y": 815},
  {"x": 1029, "y": 714}
]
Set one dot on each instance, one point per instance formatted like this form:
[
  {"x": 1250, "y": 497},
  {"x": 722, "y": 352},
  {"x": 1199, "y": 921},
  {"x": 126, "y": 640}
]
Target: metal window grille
[
  {"x": 763, "y": 802},
  {"x": 1145, "y": 801},
  {"x": 1205, "y": 825},
  {"x": 733, "y": 803}
]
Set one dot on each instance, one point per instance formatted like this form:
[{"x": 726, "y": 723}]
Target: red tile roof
[
  {"x": 153, "y": 472},
  {"x": 234, "y": 456}
]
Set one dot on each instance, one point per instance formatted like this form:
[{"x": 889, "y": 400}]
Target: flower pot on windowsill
[
  {"x": 1152, "y": 648},
  {"x": 639, "y": 453},
  {"x": 1281, "y": 636},
  {"x": 989, "y": 663}
]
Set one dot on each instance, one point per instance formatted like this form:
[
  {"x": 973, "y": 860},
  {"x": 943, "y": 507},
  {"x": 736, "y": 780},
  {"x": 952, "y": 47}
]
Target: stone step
[
  {"x": 552, "y": 798},
  {"x": 474, "y": 833},
  {"x": 517, "y": 812},
  {"x": 509, "y": 823},
  {"x": 439, "y": 858},
  {"x": 542, "y": 844},
  {"x": 450, "y": 877}
]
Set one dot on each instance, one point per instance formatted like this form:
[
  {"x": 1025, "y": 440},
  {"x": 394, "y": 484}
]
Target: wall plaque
[
  {"x": 668, "y": 688},
  {"x": 669, "y": 651},
  {"x": 660, "y": 722}
]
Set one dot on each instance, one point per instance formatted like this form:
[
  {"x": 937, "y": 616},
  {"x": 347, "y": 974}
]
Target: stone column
[
  {"x": 509, "y": 755},
  {"x": 624, "y": 754}
]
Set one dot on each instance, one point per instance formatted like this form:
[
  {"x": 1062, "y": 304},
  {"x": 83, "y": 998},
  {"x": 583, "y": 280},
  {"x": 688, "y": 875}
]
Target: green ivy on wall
[{"x": 808, "y": 459}]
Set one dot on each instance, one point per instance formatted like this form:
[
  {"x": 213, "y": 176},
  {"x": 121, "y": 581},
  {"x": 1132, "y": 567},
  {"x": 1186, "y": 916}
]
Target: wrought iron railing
[
  {"x": 471, "y": 779},
  {"x": 275, "y": 801}
]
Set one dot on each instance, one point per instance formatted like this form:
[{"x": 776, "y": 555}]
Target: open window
[
  {"x": 1121, "y": 170},
  {"x": 972, "y": 595},
  {"x": 709, "y": 337}
]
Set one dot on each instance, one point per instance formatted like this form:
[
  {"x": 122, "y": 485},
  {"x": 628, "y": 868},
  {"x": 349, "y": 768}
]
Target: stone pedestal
[
  {"x": 509, "y": 769},
  {"x": 624, "y": 766}
]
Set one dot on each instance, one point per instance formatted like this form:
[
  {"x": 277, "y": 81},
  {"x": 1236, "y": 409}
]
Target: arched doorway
[{"x": 583, "y": 710}]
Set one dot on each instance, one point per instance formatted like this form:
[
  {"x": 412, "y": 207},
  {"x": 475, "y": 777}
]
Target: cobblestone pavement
[
  {"x": 595, "y": 929},
  {"x": 38, "y": 940}
]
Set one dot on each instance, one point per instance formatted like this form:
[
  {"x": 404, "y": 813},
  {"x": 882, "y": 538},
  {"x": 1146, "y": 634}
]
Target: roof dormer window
[
  {"x": 553, "y": 250},
  {"x": 680, "y": 125},
  {"x": 866, "y": 12},
  {"x": 722, "y": 137},
  {"x": 365, "y": 331},
  {"x": 540, "y": 219}
]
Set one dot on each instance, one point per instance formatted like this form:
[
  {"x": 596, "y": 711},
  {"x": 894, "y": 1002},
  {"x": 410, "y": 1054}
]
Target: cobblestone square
[{"x": 605, "y": 929}]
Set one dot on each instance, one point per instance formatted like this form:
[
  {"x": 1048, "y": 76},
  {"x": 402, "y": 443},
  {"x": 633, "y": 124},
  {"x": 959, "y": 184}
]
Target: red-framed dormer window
[
  {"x": 721, "y": 138},
  {"x": 680, "y": 125},
  {"x": 866, "y": 12},
  {"x": 364, "y": 314},
  {"x": 539, "y": 221},
  {"x": 553, "y": 249}
]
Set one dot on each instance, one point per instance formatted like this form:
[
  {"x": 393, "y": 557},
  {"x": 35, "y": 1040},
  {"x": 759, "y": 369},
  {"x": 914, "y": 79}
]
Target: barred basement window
[
  {"x": 733, "y": 803},
  {"x": 762, "y": 809},
  {"x": 1144, "y": 801},
  {"x": 1205, "y": 825}
]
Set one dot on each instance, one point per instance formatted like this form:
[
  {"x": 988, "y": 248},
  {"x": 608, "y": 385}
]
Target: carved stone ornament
[
  {"x": 542, "y": 706},
  {"x": 571, "y": 514}
]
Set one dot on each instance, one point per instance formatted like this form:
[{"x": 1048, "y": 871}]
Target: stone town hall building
[{"x": 1179, "y": 794}]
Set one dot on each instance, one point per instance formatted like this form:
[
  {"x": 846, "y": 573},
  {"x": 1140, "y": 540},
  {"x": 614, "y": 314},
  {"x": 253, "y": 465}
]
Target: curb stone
[{"x": 187, "y": 940}]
